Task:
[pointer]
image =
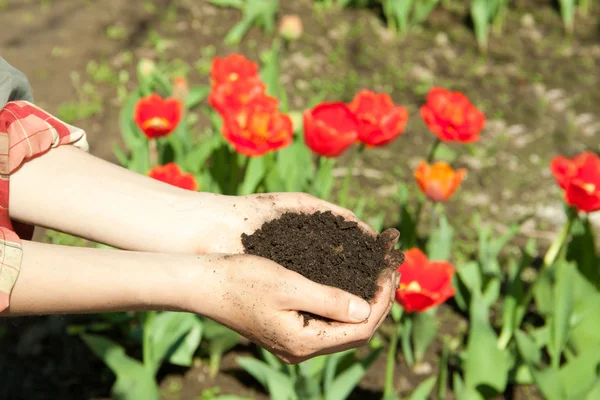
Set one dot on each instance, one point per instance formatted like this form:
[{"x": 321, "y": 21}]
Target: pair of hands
[{"x": 261, "y": 299}]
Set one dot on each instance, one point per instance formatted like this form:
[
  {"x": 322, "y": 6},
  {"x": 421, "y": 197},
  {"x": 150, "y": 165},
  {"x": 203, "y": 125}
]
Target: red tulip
[
  {"x": 232, "y": 68},
  {"x": 172, "y": 174},
  {"x": 423, "y": 283},
  {"x": 452, "y": 117},
  {"x": 438, "y": 181},
  {"x": 379, "y": 120},
  {"x": 157, "y": 117},
  {"x": 258, "y": 128},
  {"x": 580, "y": 179},
  {"x": 330, "y": 128},
  {"x": 230, "y": 97}
]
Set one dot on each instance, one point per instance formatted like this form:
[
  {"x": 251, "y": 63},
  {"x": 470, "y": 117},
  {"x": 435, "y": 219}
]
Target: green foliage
[
  {"x": 326, "y": 377},
  {"x": 166, "y": 335},
  {"x": 254, "y": 12},
  {"x": 402, "y": 16},
  {"x": 484, "y": 13}
]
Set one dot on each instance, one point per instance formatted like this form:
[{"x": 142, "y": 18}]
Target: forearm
[
  {"x": 74, "y": 192},
  {"x": 60, "y": 279}
]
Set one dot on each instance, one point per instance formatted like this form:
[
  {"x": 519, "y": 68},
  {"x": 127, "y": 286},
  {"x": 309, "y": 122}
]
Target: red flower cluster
[
  {"x": 172, "y": 174},
  {"x": 371, "y": 118},
  {"x": 423, "y": 283},
  {"x": 452, "y": 117},
  {"x": 252, "y": 121},
  {"x": 157, "y": 117},
  {"x": 580, "y": 179}
]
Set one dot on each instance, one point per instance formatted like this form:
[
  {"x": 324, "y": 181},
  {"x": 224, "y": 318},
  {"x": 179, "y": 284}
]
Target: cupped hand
[
  {"x": 246, "y": 214},
  {"x": 260, "y": 300}
]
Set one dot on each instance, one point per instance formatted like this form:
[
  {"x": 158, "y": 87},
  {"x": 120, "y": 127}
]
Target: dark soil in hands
[{"x": 328, "y": 250}]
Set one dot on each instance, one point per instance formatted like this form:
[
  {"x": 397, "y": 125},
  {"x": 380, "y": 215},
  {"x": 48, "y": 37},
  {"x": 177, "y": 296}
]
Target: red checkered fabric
[{"x": 26, "y": 132}]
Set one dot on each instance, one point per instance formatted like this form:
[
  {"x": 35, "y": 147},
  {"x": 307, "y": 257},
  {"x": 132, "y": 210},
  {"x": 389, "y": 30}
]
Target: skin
[{"x": 184, "y": 254}]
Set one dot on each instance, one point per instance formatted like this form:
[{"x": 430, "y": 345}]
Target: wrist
[
  {"x": 202, "y": 285},
  {"x": 205, "y": 223}
]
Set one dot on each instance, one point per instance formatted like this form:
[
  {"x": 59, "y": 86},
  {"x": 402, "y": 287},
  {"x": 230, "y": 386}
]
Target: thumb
[{"x": 329, "y": 302}]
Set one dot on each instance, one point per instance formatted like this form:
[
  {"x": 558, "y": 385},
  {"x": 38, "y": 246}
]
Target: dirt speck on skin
[{"x": 328, "y": 250}]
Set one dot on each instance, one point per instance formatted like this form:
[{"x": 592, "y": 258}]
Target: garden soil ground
[{"x": 538, "y": 90}]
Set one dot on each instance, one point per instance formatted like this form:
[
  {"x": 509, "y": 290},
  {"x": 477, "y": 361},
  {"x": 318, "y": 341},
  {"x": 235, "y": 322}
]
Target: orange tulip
[
  {"x": 258, "y": 128},
  {"x": 439, "y": 181}
]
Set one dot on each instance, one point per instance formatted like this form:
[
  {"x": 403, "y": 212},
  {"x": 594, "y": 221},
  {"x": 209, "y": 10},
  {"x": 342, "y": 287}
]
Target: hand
[
  {"x": 246, "y": 214},
  {"x": 260, "y": 300}
]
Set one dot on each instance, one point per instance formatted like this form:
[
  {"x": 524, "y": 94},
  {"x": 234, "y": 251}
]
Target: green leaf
[
  {"x": 271, "y": 360},
  {"x": 279, "y": 385},
  {"x": 295, "y": 179},
  {"x": 407, "y": 227},
  {"x": 492, "y": 291},
  {"x": 423, "y": 390},
  {"x": 439, "y": 245},
  {"x": 442, "y": 378},
  {"x": 323, "y": 182},
  {"x": 485, "y": 363},
  {"x": 542, "y": 292},
  {"x": 184, "y": 352},
  {"x": 270, "y": 72},
  {"x": 581, "y": 374},
  {"x": 470, "y": 276},
  {"x": 423, "y": 333},
  {"x": 481, "y": 21},
  {"x": 255, "y": 173},
  {"x": 516, "y": 302},
  {"x": 228, "y": 3},
  {"x": 422, "y": 10},
  {"x": 314, "y": 368},
  {"x": 562, "y": 310},
  {"x": 121, "y": 156},
  {"x": 164, "y": 331},
  {"x": 133, "y": 380},
  {"x": 345, "y": 382},
  {"x": 196, "y": 96},
  {"x": 582, "y": 250},
  {"x": 527, "y": 348},
  {"x": 129, "y": 131},
  {"x": 331, "y": 367},
  {"x": 396, "y": 312},
  {"x": 220, "y": 339}
]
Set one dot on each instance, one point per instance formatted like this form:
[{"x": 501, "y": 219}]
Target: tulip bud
[
  {"x": 290, "y": 27},
  {"x": 146, "y": 67},
  {"x": 181, "y": 89}
]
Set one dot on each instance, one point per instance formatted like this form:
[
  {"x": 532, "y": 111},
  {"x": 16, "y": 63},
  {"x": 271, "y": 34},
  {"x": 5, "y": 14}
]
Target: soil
[{"x": 327, "y": 249}]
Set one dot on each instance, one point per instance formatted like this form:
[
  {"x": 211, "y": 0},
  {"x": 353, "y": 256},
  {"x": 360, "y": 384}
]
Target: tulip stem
[
  {"x": 346, "y": 183},
  {"x": 432, "y": 150},
  {"x": 561, "y": 239},
  {"x": 153, "y": 152},
  {"x": 391, "y": 365}
]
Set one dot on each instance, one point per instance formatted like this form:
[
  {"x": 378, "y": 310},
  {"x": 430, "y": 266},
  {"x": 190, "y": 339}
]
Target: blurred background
[{"x": 535, "y": 75}]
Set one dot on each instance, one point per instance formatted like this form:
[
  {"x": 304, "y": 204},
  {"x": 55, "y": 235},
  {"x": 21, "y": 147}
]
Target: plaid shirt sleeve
[{"x": 26, "y": 132}]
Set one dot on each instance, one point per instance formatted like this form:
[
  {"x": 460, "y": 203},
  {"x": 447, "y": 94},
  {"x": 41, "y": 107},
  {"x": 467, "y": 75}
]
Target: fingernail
[
  {"x": 396, "y": 279},
  {"x": 359, "y": 310}
]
